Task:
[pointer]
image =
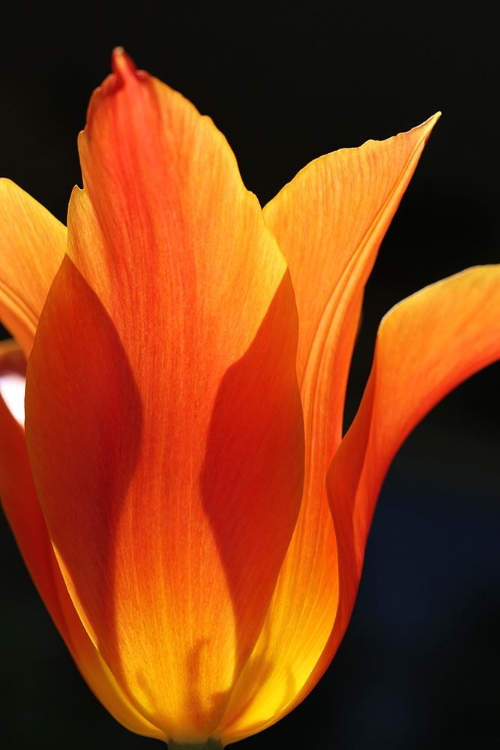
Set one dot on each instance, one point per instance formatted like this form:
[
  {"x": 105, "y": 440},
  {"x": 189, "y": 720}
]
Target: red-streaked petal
[
  {"x": 329, "y": 222},
  {"x": 426, "y": 346},
  {"x": 32, "y": 246},
  {"x": 23, "y": 512},
  {"x": 165, "y": 428}
]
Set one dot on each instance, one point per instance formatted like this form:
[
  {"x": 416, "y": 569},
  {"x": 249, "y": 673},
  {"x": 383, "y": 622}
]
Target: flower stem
[{"x": 208, "y": 745}]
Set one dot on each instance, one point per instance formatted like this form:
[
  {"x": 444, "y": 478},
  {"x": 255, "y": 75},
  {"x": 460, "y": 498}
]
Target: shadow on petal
[
  {"x": 83, "y": 429},
  {"x": 252, "y": 477}
]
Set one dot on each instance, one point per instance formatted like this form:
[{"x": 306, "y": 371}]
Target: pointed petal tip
[
  {"x": 123, "y": 71},
  {"x": 428, "y": 124},
  {"x": 121, "y": 64},
  {"x": 421, "y": 132}
]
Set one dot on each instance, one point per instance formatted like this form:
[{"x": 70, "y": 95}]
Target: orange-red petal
[
  {"x": 329, "y": 222},
  {"x": 426, "y": 346},
  {"x": 165, "y": 428},
  {"x": 32, "y": 246},
  {"x": 22, "y": 509}
]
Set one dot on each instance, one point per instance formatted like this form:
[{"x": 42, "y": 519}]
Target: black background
[{"x": 287, "y": 82}]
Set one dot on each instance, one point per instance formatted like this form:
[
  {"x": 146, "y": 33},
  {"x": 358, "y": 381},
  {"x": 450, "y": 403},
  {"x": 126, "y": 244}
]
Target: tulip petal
[
  {"x": 32, "y": 246},
  {"x": 329, "y": 222},
  {"x": 165, "y": 429},
  {"x": 22, "y": 509},
  {"x": 426, "y": 346}
]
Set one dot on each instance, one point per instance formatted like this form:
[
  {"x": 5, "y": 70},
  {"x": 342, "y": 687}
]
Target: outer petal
[
  {"x": 23, "y": 512},
  {"x": 32, "y": 246},
  {"x": 426, "y": 346},
  {"x": 329, "y": 222},
  {"x": 165, "y": 429}
]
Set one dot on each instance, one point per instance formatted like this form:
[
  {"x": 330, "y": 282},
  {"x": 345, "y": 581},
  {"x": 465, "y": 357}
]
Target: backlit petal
[
  {"x": 329, "y": 222},
  {"x": 21, "y": 507},
  {"x": 426, "y": 346},
  {"x": 165, "y": 429},
  {"x": 32, "y": 246}
]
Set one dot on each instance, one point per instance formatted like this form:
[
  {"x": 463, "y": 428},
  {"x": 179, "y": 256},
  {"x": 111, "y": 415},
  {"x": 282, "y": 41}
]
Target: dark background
[{"x": 287, "y": 82}]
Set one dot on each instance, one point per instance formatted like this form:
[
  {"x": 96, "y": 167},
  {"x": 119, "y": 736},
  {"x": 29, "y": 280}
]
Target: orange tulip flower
[{"x": 181, "y": 492}]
